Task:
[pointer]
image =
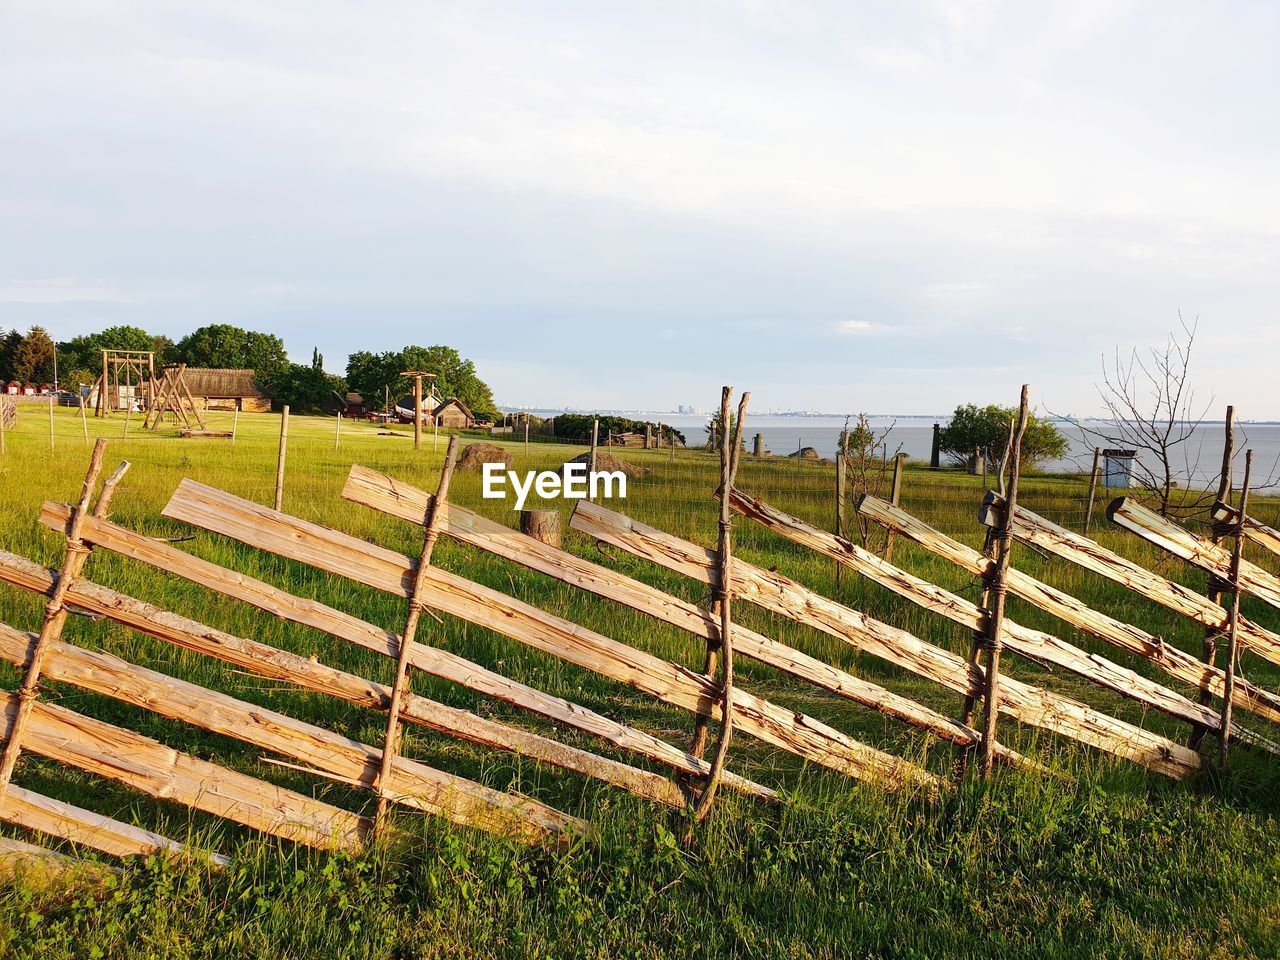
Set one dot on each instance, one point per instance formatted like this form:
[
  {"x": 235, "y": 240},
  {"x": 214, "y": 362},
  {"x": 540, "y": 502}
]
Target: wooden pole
[
  {"x": 1093, "y": 488},
  {"x": 435, "y": 520},
  {"x": 840, "y": 501},
  {"x": 281, "y": 455},
  {"x": 417, "y": 412},
  {"x": 55, "y": 616},
  {"x": 799, "y": 448},
  {"x": 1233, "y": 617},
  {"x": 935, "y": 453},
  {"x": 730, "y": 450},
  {"x": 671, "y": 435},
  {"x": 895, "y": 494},
  {"x": 337, "y": 430},
  {"x": 51, "y": 421},
  {"x": 3, "y": 404},
  {"x": 542, "y": 525},
  {"x": 998, "y": 590},
  {"x": 235, "y": 424},
  {"x": 595, "y": 438},
  {"x": 84, "y": 418},
  {"x": 526, "y": 438}
]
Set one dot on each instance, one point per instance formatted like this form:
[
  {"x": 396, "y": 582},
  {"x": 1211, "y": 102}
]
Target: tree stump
[{"x": 542, "y": 525}]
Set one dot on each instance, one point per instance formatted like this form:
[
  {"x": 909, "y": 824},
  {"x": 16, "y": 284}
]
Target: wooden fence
[{"x": 59, "y": 734}]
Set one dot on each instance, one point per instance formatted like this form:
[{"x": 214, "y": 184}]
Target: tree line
[{"x": 35, "y": 358}]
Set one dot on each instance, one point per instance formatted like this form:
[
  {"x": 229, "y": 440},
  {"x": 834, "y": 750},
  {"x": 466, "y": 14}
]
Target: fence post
[
  {"x": 1093, "y": 489},
  {"x": 235, "y": 424},
  {"x": 280, "y": 457},
  {"x": 595, "y": 438},
  {"x": 895, "y": 494},
  {"x": 998, "y": 590},
  {"x": 671, "y": 435},
  {"x": 840, "y": 498},
  {"x": 730, "y": 451},
  {"x": 1233, "y": 616},
  {"x": 84, "y": 421},
  {"x": 935, "y": 454},
  {"x": 391, "y": 742},
  {"x": 55, "y": 616},
  {"x": 526, "y": 437},
  {"x": 50, "y": 421},
  {"x": 337, "y": 430}
]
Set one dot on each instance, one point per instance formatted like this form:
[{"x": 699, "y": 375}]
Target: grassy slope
[{"x": 1118, "y": 863}]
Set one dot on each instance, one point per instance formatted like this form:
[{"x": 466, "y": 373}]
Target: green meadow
[{"x": 1107, "y": 860}]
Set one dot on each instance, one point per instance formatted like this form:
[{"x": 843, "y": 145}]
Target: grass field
[{"x": 1114, "y": 862}]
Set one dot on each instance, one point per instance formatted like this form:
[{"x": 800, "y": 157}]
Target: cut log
[
  {"x": 1031, "y": 643},
  {"x": 311, "y": 675},
  {"x": 1094, "y": 557},
  {"x": 1172, "y": 660},
  {"x": 166, "y": 774},
  {"x": 1029, "y": 704},
  {"x": 1226, "y": 516},
  {"x": 449, "y": 593},
  {"x": 411, "y": 783},
  {"x": 541, "y": 525},
  {"x": 438, "y": 662},
  {"x": 381, "y": 492}
]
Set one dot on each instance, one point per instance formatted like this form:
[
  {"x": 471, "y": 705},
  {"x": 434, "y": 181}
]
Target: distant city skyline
[{"x": 837, "y": 206}]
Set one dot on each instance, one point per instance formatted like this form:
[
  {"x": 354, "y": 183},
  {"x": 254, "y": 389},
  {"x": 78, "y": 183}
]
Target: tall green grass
[{"x": 1112, "y": 862}]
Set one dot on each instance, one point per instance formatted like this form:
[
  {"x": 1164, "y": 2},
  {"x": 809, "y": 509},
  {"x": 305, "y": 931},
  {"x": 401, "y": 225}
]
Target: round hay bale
[
  {"x": 475, "y": 456},
  {"x": 607, "y": 463}
]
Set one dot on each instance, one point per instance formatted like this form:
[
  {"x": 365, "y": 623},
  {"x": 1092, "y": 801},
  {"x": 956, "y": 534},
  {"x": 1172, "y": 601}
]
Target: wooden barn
[
  {"x": 453, "y": 414},
  {"x": 215, "y": 389}
]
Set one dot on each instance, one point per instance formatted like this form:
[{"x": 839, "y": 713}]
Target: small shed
[
  {"x": 13, "y": 388},
  {"x": 355, "y": 406},
  {"x": 218, "y": 389},
  {"x": 453, "y": 414},
  {"x": 1117, "y": 468}
]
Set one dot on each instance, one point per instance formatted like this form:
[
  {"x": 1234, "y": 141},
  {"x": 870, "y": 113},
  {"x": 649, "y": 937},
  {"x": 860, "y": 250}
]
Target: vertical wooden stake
[
  {"x": 840, "y": 498},
  {"x": 435, "y": 520},
  {"x": 417, "y": 413},
  {"x": 730, "y": 452},
  {"x": 84, "y": 421},
  {"x": 1209, "y": 648},
  {"x": 337, "y": 430},
  {"x": 280, "y": 457},
  {"x": 3, "y": 404},
  {"x": 235, "y": 424},
  {"x": 895, "y": 494},
  {"x": 1093, "y": 489},
  {"x": 935, "y": 452},
  {"x": 595, "y": 438},
  {"x": 51, "y": 421},
  {"x": 526, "y": 437},
  {"x": 998, "y": 592},
  {"x": 671, "y": 435},
  {"x": 1233, "y": 617},
  {"x": 799, "y": 448},
  {"x": 55, "y": 616}
]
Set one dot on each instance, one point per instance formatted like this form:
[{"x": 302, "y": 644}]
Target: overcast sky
[{"x": 882, "y": 207}]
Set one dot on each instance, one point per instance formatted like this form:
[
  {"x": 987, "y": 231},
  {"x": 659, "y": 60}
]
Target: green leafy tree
[
  {"x": 372, "y": 373},
  {"x": 987, "y": 427},
  {"x": 228, "y": 347},
  {"x": 85, "y": 352},
  {"x": 577, "y": 426},
  {"x": 34, "y": 358},
  {"x": 308, "y": 389},
  {"x": 9, "y": 343}
]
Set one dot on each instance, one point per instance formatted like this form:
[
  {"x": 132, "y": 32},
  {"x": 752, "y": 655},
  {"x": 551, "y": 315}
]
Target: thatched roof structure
[{"x": 213, "y": 382}]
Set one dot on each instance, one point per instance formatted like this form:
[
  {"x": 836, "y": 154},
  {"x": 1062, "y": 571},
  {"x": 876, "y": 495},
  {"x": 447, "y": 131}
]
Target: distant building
[
  {"x": 217, "y": 389},
  {"x": 453, "y": 414}
]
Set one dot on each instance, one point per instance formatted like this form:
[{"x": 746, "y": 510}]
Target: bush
[{"x": 988, "y": 427}]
